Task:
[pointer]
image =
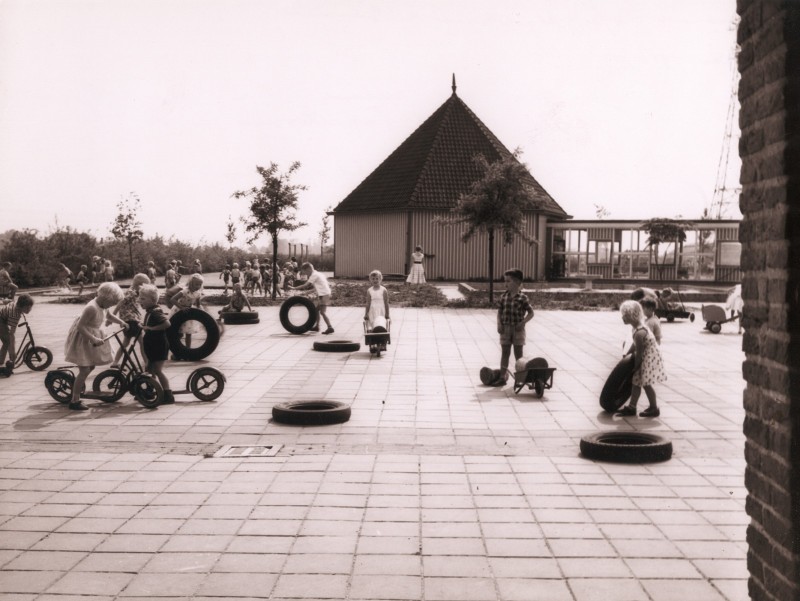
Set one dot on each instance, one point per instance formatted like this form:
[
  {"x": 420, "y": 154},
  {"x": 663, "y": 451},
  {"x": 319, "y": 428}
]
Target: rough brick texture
[{"x": 769, "y": 93}]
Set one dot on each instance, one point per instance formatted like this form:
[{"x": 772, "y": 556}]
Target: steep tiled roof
[{"x": 434, "y": 165}]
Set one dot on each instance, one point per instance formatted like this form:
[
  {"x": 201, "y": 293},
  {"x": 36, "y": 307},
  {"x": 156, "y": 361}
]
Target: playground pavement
[{"x": 437, "y": 488}]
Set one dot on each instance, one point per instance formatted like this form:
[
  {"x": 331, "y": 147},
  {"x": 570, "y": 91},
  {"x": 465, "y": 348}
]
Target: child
[
  {"x": 236, "y": 274},
  {"x": 85, "y": 346},
  {"x": 238, "y": 300},
  {"x": 320, "y": 284},
  {"x": 186, "y": 298},
  {"x": 151, "y": 271},
  {"x": 108, "y": 271},
  {"x": 64, "y": 277},
  {"x": 288, "y": 276},
  {"x": 651, "y": 320},
  {"x": 154, "y": 343},
  {"x": 128, "y": 310},
  {"x": 9, "y": 318},
  {"x": 254, "y": 277},
  {"x": 81, "y": 279},
  {"x": 7, "y": 287},
  {"x": 513, "y": 312},
  {"x": 376, "y": 312},
  {"x": 197, "y": 267},
  {"x": 416, "y": 275},
  {"x": 225, "y": 276},
  {"x": 649, "y": 367},
  {"x": 171, "y": 277},
  {"x": 736, "y": 304}
]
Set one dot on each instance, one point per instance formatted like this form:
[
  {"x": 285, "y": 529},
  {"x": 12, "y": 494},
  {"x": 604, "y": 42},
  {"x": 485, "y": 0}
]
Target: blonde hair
[
  {"x": 633, "y": 310},
  {"x": 149, "y": 291},
  {"x": 139, "y": 280},
  {"x": 109, "y": 293},
  {"x": 376, "y": 272}
]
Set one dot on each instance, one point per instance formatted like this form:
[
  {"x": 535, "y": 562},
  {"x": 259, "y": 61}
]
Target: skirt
[
  {"x": 80, "y": 350},
  {"x": 416, "y": 275}
]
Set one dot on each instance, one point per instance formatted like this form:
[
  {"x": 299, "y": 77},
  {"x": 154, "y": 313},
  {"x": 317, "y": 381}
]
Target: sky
[{"x": 618, "y": 104}]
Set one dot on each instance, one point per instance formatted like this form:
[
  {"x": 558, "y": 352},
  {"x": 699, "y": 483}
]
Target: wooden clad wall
[
  {"x": 367, "y": 241},
  {"x": 456, "y": 260}
]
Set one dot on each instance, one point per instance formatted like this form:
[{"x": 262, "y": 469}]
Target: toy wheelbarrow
[
  {"x": 715, "y": 316},
  {"x": 377, "y": 338},
  {"x": 535, "y": 374}
]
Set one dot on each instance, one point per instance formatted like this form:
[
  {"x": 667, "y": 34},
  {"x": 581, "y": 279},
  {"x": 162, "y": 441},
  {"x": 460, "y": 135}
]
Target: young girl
[
  {"x": 128, "y": 310},
  {"x": 186, "y": 298},
  {"x": 649, "y": 368},
  {"x": 154, "y": 343},
  {"x": 85, "y": 346},
  {"x": 377, "y": 310},
  {"x": 417, "y": 273},
  {"x": 651, "y": 319},
  {"x": 238, "y": 300}
]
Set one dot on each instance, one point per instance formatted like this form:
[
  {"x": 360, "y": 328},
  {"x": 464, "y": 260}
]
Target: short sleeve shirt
[
  {"x": 10, "y": 315},
  {"x": 512, "y": 309},
  {"x": 320, "y": 283}
]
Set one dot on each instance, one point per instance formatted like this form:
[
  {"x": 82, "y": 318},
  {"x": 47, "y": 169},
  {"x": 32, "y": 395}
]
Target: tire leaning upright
[{"x": 293, "y": 301}]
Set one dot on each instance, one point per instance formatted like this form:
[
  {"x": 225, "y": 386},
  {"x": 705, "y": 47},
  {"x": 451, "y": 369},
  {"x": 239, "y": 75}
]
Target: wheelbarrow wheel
[
  {"x": 715, "y": 327},
  {"x": 538, "y": 388},
  {"x": 670, "y": 317}
]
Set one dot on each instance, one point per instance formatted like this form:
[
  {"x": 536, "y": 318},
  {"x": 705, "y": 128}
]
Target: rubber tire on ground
[
  {"x": 283, "y": 314},
  {"x": 715, "y": 327},
  {"x": 206, "y": 383},
  {"x": 239, "y": 317},
  {"x": 617, "y": 388},
  {"x": 113, "y": 381},
  {"x": 337, "y": 346},
  {"x": 626, "y": 447},
  {"x": 180, "y": 350},
  {"x": 38, "y": 358},
  {"x": 538, "y": 387},
  {"x": 59, "y": 385},
  {"x": 311, "y": 413},
  {"x": 147, "y": 390}
]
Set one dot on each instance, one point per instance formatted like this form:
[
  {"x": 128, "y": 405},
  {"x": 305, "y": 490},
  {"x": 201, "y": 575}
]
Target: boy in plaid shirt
[{"x": 513, "y": 312}]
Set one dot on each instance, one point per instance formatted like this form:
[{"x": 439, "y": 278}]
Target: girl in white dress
[
  {"x": 85, "y": 346},
  {"x": 648, "y": 366},
  {"x": 377, "y": 309},
  {"x": 417, "y": 273}
]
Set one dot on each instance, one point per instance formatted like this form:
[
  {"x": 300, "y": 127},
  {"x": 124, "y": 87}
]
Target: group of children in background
[{"x": 258, "y": 278}]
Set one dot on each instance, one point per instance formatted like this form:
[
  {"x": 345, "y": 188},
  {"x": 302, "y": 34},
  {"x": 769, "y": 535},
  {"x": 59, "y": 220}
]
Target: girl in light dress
[
  {"x": 85, "y": 345},
  {"x": 376, "y": 312},
  {"x": 648, "y": 366},
  {"x": 417, "y": 273}
]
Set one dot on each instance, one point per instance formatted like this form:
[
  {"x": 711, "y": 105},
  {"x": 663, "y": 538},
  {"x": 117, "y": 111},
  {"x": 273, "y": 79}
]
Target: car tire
[
  {"x": 626, "y": 447},
  {"x": 617, "y": 388},
  {"x": 286, "y": 306},
  {"x": 337, "y": 346},
  {"x": 311, "y": 413},
  {"x": 239, "y": 317},
  {"x": 180, "y": 350}
]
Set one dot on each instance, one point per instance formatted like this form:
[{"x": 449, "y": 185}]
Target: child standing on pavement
[
  {"x": 186, "y": 298},
  {"x": 225, "y": 276},
  {"x": 128, "y": 310},
  {"x": 376, "y": 312},
  {"x": 85, "y": 345},
  {"x": 651, "y": 320},
  {"x": 513, "y": 312},
  {"x": 314, "y": 279},
  {"x": 10, "y": 315},
  {"x": 155, "y": 346},
  {"x": 81, "y": 279},
  {"x": 648, "y": 366}
]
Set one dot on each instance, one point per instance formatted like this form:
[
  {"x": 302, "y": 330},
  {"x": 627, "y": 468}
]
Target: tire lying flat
[
  {"x": 239, "y": 317},
  {"x": 311, "y": 413},
  {"x": 337, "y": 346},
  {"x": 626, "y": 447}
]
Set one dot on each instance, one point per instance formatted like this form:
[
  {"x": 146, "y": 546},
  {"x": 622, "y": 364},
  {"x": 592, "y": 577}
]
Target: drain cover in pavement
[{"x": 244, "y": 451}]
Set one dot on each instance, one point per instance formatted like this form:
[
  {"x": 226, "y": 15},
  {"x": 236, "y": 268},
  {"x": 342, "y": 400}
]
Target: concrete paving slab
[{"x": 436, "y": 488}]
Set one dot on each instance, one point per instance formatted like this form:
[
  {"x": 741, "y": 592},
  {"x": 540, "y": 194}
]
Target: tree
[
  {"x": 324, "y": 233},
  {"x": 496, "y": 203},
  {"x": 127, "y": 226},
  {"x": 601, "y": 211},
  {"x": 272, "y": 206},
  {"x": 662, "y": 230},
  {"x": 230, "y": 232}
]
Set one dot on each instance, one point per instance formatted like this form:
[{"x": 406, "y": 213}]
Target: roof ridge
[{"x": 442, "y": 121}]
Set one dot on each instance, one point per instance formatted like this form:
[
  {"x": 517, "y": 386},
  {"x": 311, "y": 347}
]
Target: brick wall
[{"x": 769, "y": 93}]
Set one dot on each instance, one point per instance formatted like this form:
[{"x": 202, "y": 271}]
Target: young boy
[
  {"x": 320, "y": 284},
  {"x": 514, "y": 311},
  {"x": 9, "y": 318}
]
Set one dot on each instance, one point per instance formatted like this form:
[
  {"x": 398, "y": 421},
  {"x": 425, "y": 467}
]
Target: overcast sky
[{"x": 618, "y": 103}]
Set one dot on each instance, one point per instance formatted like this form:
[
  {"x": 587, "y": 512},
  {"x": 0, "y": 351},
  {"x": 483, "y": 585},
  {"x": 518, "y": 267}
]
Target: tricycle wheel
[
  {"x": 691, "y": 317},
  {"x": 206, "y": 383},
  {"x": 538, "y": 387},
  {"x": 716, "y": 327},
  {"x": 670, "y": 317},
  {"x": 112, "y": 383},
  {"x": 59, "y": 384},
  {"x": 38, "y": 358},
  {"x": 147, "y": 391}
]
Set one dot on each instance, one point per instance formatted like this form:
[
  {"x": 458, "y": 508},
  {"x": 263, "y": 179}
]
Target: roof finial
[{"x": 454, "y": 83}]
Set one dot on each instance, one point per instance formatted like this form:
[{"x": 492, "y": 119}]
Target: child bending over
[
  {"x": 10, "y": 315},
  {"x": 320, "y": 284}
]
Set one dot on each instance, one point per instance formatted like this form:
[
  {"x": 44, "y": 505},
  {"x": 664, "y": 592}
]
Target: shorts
[
  {"x": 512, "y": 336},
  {"x": 322, "y": 301}
]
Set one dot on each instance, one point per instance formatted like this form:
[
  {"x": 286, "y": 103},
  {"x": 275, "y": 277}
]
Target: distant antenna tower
[{"x": 723, "y": 195}]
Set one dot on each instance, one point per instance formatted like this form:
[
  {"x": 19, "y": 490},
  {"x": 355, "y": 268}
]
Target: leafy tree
[
  {"x": 127, "y": 226},
  {"x": 272, "y": 206},
  {"x": 325, "y": 233},
  {"x": 662, "y": 230},
  {"x": 496, "y": 203}
]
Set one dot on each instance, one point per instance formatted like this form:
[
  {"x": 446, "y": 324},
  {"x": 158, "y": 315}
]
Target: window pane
[{"x": 730, "y": 254}]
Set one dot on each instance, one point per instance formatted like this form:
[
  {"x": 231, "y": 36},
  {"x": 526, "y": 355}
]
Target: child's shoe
[
  {"x": 628, "y": 410},
  {"x": 169, "y": 398},
  {"x": 78, "y": 407},
  {"x": 328, "y": 331},
  {"x": 650, "y": 412},
  {"x": 315, "y": 329}
]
